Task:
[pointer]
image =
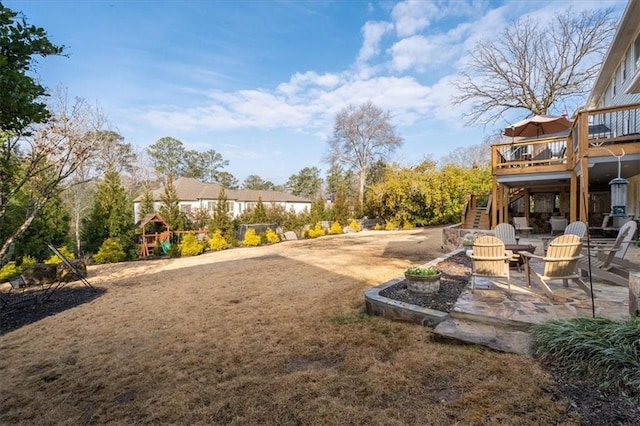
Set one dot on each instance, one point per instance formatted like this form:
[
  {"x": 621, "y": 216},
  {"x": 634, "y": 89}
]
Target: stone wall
[{"x": 453, "y": 235}]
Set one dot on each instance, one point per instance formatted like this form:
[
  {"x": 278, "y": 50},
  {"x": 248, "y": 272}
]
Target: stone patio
[{"x": 501, "y": 321}]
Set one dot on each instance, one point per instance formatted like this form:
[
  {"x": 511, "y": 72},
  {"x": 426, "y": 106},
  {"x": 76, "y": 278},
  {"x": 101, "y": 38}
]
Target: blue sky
[{"x": 261, "y": 81}]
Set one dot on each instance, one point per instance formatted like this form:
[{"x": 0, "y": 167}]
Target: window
[
  {"x": 251, "y": 205},
  {"x": 637, "y": 51},
  {"x": 614, "y": 88},
  {"x": 211, "y": 205},
  {"x": 185, "y": 208},
  {"x": 624, "y": 68}
]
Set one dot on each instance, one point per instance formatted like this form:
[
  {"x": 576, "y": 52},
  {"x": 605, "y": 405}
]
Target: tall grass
[{"x": 600, "y": 349}]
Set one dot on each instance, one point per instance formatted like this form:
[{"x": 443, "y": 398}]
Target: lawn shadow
[
  {"x": 418, "y": 247},
  {"x": 14, "y": 317}
]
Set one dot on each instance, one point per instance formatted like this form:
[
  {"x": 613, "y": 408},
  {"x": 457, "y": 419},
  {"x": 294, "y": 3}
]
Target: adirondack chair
[
  {"x": 560, "y": 263},
  {"x": 506, "y": 233},
  {"x": 558, "y": 225},
  {"x": 521, "y": 224},
  {"x": 576, "y": 228},
  {"x": 490, "y": 260},
  {"x": 607, "y": 262}
]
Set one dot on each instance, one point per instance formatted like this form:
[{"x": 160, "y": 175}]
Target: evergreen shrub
[
  {"x": 217, "y": 241},
  {"x": 174, "y": 251},
  {"x": 28, "y": 262},
  {"x": 110, "y": 251},
  {"x": 407, "y": 226},
  {"x": 390, "y": 226},
  {"x": 336, "y": 228},
  {"x": 272, "y": 237},
  {"x": 250, "y": 238},
  {"x": 377, "y": 227},
  {"x": 316, "y": 231},
  {"x": 354, "y": 225},
  {"x": 54, "y": 259},
  {"x": 9, "y": 270},
  {"x": 189, "y": 246}
]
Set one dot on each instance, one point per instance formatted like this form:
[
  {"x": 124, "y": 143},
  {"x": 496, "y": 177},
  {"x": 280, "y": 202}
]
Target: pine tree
[
  {"x": 170, "y": 207},
  {"x": 111, "y": 215},
  {"x": 259, "y": 212},
  {"x": 221, "y": 219},
  {"x": 146, "y": 203}
]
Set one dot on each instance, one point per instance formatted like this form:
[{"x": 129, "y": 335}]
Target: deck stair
[{"x": 475, "y": 216}]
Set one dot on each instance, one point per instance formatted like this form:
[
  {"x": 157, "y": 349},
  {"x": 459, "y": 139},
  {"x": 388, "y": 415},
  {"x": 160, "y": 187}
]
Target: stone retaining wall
[{"x": 453, "y": 235}]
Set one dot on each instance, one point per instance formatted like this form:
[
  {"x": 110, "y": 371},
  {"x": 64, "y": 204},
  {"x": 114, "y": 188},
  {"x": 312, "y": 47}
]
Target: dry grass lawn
[{"x": 271, "y": 334}]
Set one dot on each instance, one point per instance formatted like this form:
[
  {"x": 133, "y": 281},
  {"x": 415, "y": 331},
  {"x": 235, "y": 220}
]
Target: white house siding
[{"x": 197, "y": 195}]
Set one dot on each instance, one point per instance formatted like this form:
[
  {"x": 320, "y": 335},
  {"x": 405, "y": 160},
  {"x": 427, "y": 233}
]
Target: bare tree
[
  {"x": 477, "y": 155},
  {"x": 361, "y": 136},
  {"x": 42, "y": 159},
  {"x": 533, "y": 66}
]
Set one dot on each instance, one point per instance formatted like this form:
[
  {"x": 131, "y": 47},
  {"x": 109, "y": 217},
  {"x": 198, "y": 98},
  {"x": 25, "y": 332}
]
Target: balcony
[
  {"x": 595, "y": 135},
  {"x": 530, "y": 156}
]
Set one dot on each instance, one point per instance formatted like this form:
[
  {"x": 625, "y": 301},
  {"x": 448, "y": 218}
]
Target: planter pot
[{"x": 423, "y": 284}]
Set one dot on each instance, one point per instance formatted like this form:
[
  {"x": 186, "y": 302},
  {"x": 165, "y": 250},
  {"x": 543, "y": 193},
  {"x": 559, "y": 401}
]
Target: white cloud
[
  {"x": 412, "y": 16},
  {"x": 421, "y": 53},
  {"x": 300, "y": 81},
  {"x": 372, "y": 33}
]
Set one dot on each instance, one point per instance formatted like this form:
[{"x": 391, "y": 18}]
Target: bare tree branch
[
  {"x": 531, "y": 66},
  {"x": 41, "y": 162},
  {"x": 362, "y": 135}
]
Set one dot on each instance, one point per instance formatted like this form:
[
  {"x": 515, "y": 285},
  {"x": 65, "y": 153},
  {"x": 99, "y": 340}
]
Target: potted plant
[
  {"x": 422, "y": 280},
  {"x": 468, "y": 241}
]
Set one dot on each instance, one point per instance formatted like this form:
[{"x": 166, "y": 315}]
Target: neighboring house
[
  {"x": 572, "y": 179},
  {"x": 194, "y": 194}
]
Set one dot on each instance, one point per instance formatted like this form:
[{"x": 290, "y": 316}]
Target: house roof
[
  {"x": 266, "y": 196},
  {"x": 190, "y": 189},
  {"x": 151, "y": 217}
]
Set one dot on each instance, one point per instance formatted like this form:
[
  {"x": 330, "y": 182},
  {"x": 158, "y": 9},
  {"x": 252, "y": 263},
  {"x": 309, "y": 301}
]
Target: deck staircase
[{"x": 476, "y": 215}]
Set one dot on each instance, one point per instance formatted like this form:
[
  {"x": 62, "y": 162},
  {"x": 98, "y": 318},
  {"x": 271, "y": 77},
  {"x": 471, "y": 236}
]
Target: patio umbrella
[{"x": 538, "y": 125}]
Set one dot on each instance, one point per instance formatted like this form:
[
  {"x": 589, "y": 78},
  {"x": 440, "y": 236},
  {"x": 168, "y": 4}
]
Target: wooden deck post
[
  {"x": 634, "y": 294},
  {"x": 584, "y": 189},
  {"x": 495, "y": 205},
  {"x": 573, "y": 197}
]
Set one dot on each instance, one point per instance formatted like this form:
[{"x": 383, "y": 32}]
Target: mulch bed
[
  {"x": 594, "y": 406},
  {"x": 455, "y": 273}
]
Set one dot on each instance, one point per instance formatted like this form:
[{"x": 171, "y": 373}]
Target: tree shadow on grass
[{"x": 14, "y": 317}]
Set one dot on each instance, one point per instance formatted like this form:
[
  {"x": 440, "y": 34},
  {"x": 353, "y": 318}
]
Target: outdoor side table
[{"x": 516, "y": 249}]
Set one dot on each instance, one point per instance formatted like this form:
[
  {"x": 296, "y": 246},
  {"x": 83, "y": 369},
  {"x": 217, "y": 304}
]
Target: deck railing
[
  {"x": 539, "y": 152},
  {"x": 591, "y": 131},
  {"x": 605, "y": 127}
]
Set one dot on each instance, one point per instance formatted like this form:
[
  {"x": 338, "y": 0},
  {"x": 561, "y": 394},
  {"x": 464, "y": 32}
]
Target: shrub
[
  {"x": 28, "y": 262},
  {"x": 354, "y": 225},
  {"x": 316, "y": 231},
  {"x": 336, "y": 228},
  {"x": 110, "y": 251},
  {"x": 272, "y": 237},
  {"x": 377, "y": 227},
  {"x": 174, "y": 251},
  {"x": 390, "y": 226},
  {"x": 407, "y": 226},
  {"x": 250, "y": 238},
  {"x": 9, "y": 270},
  {"x": 54, "y": 259},
  {"x": 596, "y": 348},
  {"x": 217, "y": 241},
  {"x": 189, "y": 246}
]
